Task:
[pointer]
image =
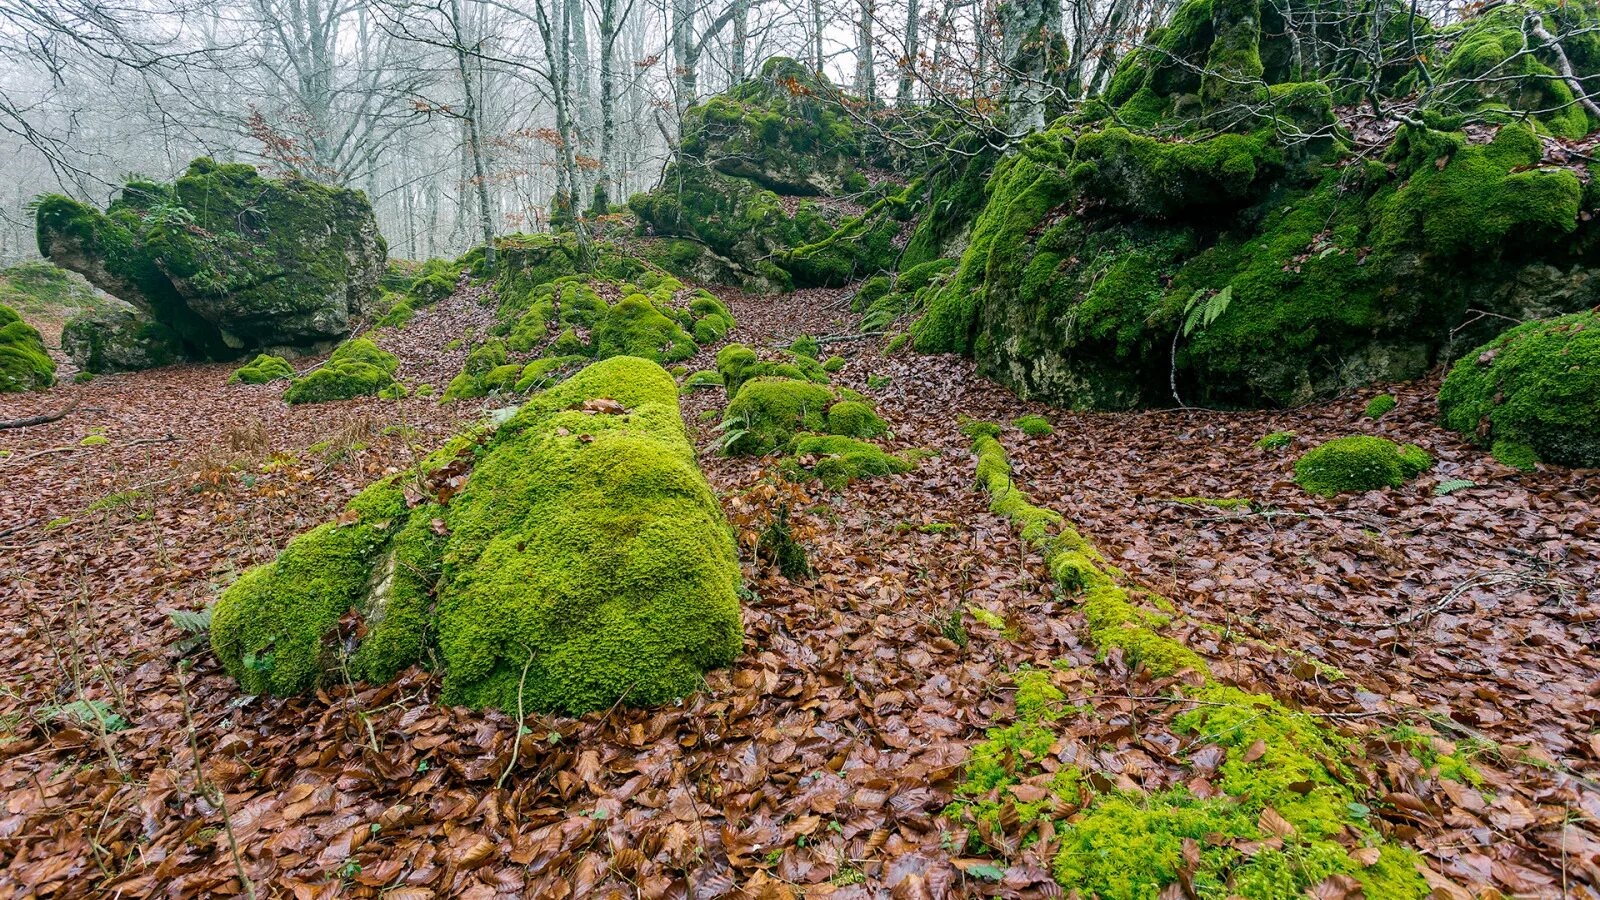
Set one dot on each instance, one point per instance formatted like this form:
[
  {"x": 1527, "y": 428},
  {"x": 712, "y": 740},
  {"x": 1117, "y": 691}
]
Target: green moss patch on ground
[
  {"x": 1359, "y": 463},
  {"x": 24, "y": 364},
  {"x": 264, "y": 368},
  {"x": 357, "y": 368}
]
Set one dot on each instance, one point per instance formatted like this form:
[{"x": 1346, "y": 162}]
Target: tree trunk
[
  {"x": 1030, "y": 32},
  {"x": 866, "y": 74},
  {"x": 608, "y": 112},
  {"x": 908, "y": 66},
  {"x": 474, "y": 139}
]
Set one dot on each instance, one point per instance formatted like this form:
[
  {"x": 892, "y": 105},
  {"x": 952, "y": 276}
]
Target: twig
[
  {"x": 209, "y": 791},
  {"x": 1482, "y": 579},
  {"x": 516, "y": 736},
  {"x": 44, "y": 419}
]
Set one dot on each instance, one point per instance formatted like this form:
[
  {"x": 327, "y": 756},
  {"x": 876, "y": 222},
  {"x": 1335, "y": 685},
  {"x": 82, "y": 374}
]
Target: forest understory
[{"x": 1438, "y": 620}]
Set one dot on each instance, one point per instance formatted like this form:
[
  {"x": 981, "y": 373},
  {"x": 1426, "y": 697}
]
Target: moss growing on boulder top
[
  {"x": 738, "y": 364},
  {"x": 262, "y": 369},
  {"x": 356, "y": 369},
  {"x": 584, "y": 563},
  {"x": 24, "y": 364},
  {"x": 1531, "y": 394},
  {"x": 1359, "y": 463},
  {"x": 226, "y": 259}
]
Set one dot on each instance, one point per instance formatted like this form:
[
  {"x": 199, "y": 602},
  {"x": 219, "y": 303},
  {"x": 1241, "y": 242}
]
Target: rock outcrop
[{"x": 229, "y": 262}]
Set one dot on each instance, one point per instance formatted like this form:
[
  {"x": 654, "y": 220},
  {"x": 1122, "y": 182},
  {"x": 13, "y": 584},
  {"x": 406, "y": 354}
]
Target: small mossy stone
[
  {"x": 1034, "y": 425},
  {"x": 262, "y": 369},
  {"x": 1358, "y": 463},
  {"x": 1380, "y": 406},
  {"x": 1532, "y": 394},
  {"x": 855, "y": 418},
  {"x": 768, "y": 411},
  {"x": 24, "y": 364},
  {"x": 833, "y": 364},
  {"x": 836, "y": 460}
]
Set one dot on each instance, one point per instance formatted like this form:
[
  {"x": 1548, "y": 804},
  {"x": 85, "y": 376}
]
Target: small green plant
[
  {"x": 94, "y": 440},
  {"x": 1450, "y": 486},
  {"x": 878, "y": 382},
  {"x": 196, "y": 628}
]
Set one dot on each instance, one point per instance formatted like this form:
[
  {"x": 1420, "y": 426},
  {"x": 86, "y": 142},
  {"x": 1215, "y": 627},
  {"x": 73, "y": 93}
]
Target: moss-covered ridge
[
  {"x": 24, "y": 364},
  {"x": 229, "y": 261},
  {"x": 1251, "y": 261},
  {"x": 1531, "y": 394},
  {"x": 1287, "y": 817},
  {"x": 572, "y": 559}
]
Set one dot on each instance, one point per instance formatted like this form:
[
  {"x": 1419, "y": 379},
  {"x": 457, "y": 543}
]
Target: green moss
[
  {"x": 1277, "y": 440},
  {"x": 833, "y": 364},
  {"x": 738, "y": 364},
  {"x": 94, "y": 440},
  {"x": 584, "y": 563},
  {"x": 836, "y": 460},
  {"x": 1034, "y": 426},
  {"x": 805, "y": 345},
  {"x": 768, "y": 411},
  {"x": 871, "y": 291},
  {"x": 262, "y": 369},
  {"x": 1531, "y": 394},
  {"x": 24, "y": 364},
  {"x": 541, "y": 373},
  {"x": 855, "y": 418},
  {"x": 357, "y": 368},
  {"x": 705, "y": 378},
  {"x": 1358, "y": 463},
  {"x": 634, "y": 327},
  {"x": 1379, "y": 406}
]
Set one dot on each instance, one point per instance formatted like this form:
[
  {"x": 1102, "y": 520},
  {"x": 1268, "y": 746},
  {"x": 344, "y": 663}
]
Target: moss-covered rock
[
  {"x": 857, "y": 419},
  {"x": 122, "y": 339},
  {"x": 768, "y": 411},
  {"x": 738, "y": 363},
  {"x": 1359, "y": 463},
  {"x": 24, "y": 364},
  {"x": 262, "y": 369},
  {"x": 1196, "y": 242},
  {"x": 584, "y": 563},
  {"x": 1034, "y": 426},
  {"x": 226, "y": 259},
  {"x": 43, "y": 290},
  {"x": 356, "y": 369},
  {"x": 1380, "y": 406},
  {"x": 1531, "y": 394},
  {"x": 837, "y": 460}
]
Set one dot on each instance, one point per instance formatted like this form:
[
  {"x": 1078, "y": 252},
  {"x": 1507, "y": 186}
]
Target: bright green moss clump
[
  {"x": 264, "y": 368},
  {"x": 24, "y": 364},
  {"x": 738, "y": 364},
  {"x": 1531, "y": 394},
  {"x": 768, "y": 411},
  {"x": 584, "y": 563},
  {"x": 836, "y": 460},
  {"x": 1034, "y": 426},
  {"x": 855, "y": 418},
  {"x": 356, "y": 369},
  {"x": 1380, "y": 406},
  {"x": 1359, "y": 463}
]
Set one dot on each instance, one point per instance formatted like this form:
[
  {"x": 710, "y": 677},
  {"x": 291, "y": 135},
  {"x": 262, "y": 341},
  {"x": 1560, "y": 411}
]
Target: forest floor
[{"x": 823, "y": 758}]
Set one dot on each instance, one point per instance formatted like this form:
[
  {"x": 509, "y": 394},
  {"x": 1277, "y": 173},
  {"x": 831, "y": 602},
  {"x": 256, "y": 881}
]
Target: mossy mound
[
  {"x": 1200, "y": 243},
  {"x": 836, "y": 460},
  {"x": 768, "y": 411},
  {"x": 857, "y": 419},
  {"x": 738, "y": 364},
  {"x": 1531, "y": 394},
  {"x": 24, "y": 364},
  {"x": 584, "y": 563},
  {"x": 1380, "y": 406},
  {"x": 122, "y": 339},
  {"x": 568, "y": 317},
  {"x": 226, "y": 259},
  {"x": 356, "y": 369},
  {"x": 1359, "y": 463},
  {"x": 262, "y": 369},
  {"x": 1034, "y": 426}
]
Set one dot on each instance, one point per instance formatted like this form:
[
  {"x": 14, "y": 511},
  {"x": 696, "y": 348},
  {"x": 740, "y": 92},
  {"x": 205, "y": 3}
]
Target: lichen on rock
[{"x": 572, "y": 559}]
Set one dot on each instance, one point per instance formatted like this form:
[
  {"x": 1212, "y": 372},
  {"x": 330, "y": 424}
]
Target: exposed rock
[{"x": 119, "y": 340}]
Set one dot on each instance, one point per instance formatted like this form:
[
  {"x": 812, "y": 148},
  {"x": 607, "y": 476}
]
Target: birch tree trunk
[{"x": 474, "y": 139}]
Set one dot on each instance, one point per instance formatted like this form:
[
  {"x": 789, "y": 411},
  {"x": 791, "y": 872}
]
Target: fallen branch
[
  {"x": 45, "y": 419},
  {"x": 1482, "y": 579}
]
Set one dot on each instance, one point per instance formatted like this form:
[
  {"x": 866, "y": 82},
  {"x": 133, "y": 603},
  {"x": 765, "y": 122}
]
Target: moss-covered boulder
[
  {"x": 1359, "y": 463},
  {"x": 356, "y": 369},
  {"x": 1531, "y": 394},
  {"x": 263, "y": 369},
  {"x": 1240, "y": 263},
  {"x": 43, "y": 290},
  {"x": 123, "y": 339},
  {"x": 229, "y": 261},
  {"x": 24, "y": 364},
  {"x": 737, "y": 364},
  {"x": 584, "y": 562}
]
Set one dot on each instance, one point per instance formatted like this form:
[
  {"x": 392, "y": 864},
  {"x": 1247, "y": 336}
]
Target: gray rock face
[{"x": 121, "y": 340}]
